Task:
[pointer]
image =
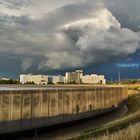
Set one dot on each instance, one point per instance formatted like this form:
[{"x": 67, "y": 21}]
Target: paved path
[{"x": 75, "y": 130}]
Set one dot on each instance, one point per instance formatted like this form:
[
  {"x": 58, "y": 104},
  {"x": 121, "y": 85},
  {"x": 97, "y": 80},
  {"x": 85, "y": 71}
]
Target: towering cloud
[
  {"x": 127, "y": 12},
  {"x": 75, "y": 35}
]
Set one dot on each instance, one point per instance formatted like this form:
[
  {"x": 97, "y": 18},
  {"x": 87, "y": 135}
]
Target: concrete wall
[
  {"x": 54, "y": 106},
  {"x": 20, "y": 104}
]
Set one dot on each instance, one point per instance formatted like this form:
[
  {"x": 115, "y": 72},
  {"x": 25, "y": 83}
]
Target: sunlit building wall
[
  {"x": 73, "y": 77},
  {"x": 87, "y": 79},
  {"x": 93, "y": 79},
  {"x": 57, "y": 79},
  {"x": 37, "y": 79},
  {"x": 101, "y": 79}
]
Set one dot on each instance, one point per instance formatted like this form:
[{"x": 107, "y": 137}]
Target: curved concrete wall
[{"x": 27, "y": 108}]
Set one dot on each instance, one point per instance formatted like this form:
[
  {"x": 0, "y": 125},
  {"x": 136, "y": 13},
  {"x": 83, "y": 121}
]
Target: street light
[{"x": 118, "y": 75}]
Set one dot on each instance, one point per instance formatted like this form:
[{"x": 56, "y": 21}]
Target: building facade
[
  {"x": 101, "y": 79},
  {"x": 74, "y": 77},
  {"x": 93, "y": 79},
  {"x": 37, "y": 79},
  {"x": 57, "y": 79}
]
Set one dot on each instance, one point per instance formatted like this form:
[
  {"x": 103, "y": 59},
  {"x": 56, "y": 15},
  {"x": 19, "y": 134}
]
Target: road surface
[{"x": 81, "y": 127}]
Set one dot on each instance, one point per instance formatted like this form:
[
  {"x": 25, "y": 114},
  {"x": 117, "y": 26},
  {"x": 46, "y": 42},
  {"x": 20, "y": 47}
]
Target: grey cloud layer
[
  {"x": 75, "y": 35},
  {"x": 14, "y": 3},
  {"x": 127, "y": 12}
]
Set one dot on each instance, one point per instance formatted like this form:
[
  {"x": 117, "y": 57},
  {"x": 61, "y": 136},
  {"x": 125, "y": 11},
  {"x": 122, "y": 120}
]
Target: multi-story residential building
[
  {"x": 73, "y": 77},
  {"x": 101, "y": 79},
  {"x": 56, "y": 79},
  {"x": 93, "y": 79},
  {"x": 37, "y": 79},
  {"x": 76, "y": 77},
  {"x": 87, "y": 79},
  {"x": 96, "y": 79}
]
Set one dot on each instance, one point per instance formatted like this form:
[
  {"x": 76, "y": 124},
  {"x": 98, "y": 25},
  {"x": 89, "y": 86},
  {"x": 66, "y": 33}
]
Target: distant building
[
  {"x": 74, "y": 77},
  {"x": 56, "y": 79},
  {"x": 87, "y": 79},
  {"x": 96, "y": 78},
  {"x": 37, "y": 79},
  {"x": 5, "y": 79},
  {"x": 80, "y": 74},
  {"x": 93, "y": 79},
  {"x": 101, "y": 79}
]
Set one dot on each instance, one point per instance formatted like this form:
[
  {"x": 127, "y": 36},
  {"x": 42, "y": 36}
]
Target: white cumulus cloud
[{"x": 72, "y": 36}]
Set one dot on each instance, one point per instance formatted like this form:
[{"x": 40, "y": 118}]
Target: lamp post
[{"x": 118, "y": 75}]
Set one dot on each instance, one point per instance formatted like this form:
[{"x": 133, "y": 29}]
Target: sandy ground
[{"x": 75, "y": 130}]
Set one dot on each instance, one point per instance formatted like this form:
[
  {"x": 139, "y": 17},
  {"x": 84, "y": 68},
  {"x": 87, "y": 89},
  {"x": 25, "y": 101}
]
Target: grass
[
  {"x": 131, "y": 133},
  {"x": 117, "y": 129},
  {"x": 134, "y": 103}
]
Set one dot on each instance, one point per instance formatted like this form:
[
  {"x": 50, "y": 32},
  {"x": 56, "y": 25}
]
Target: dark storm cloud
[
  {"x": 75, "y": 35},
  {"x": 127, "y": 12}
]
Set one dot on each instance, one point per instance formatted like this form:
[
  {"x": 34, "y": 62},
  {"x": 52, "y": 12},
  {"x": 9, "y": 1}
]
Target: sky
[{"x": 52, "y": 37}]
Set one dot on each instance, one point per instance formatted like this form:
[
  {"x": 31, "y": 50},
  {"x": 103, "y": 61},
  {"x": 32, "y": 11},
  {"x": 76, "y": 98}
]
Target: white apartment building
[
  {"x": 93, "y": 79},
  {"x": 101, "y": 79},
  {"x": 74, "y": 77},
  {"x": 87, "y": 79},
  {"x": 37, "y": 79},
  {"x": 96, "y": 78},
  {"x": 58, "y": 79}
]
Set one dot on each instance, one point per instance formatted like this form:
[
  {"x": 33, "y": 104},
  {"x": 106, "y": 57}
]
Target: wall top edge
[{"x": 58, "y": 88}]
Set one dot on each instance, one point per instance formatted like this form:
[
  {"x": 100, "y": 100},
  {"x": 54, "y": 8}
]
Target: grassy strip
[
  {"x": 132, "y": 117},
  {"x": 109, "y": 129},
  {"x": 130, "y": 133}
]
